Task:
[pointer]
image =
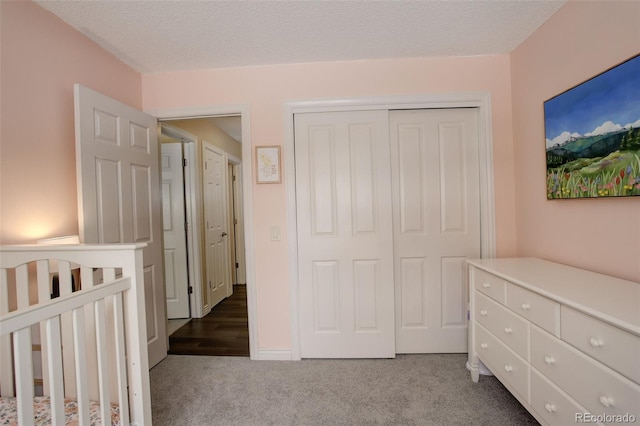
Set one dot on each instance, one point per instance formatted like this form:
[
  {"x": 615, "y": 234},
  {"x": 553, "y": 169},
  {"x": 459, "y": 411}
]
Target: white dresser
[{"x": 564, "y": 341}]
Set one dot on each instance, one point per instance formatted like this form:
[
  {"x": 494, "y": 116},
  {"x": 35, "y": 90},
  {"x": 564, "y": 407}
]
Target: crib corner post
[{"x": 137, "y": 356}]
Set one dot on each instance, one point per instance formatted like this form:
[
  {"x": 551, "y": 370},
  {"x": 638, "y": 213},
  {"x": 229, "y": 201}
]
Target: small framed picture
[{"x": 268, "y": 164}]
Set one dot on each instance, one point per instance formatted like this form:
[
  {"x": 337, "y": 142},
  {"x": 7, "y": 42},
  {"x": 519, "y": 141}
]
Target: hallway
[{"x": 223, "y": 332}]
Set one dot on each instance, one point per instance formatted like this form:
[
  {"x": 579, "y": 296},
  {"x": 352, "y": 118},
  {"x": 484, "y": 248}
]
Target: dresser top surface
[{"x": 611, "y": 299}]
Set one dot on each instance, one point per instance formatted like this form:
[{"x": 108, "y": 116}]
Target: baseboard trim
[{"x": 274, "y": 354}]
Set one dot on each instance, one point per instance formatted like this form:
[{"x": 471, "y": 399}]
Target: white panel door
[
  {"x": 118, "y": 178},
  {"x": 345, "y": 243},
  {"x": 215, "y": 215},
  {"x": 436, "y": 207},
  {"x": 175, "y": 240}
]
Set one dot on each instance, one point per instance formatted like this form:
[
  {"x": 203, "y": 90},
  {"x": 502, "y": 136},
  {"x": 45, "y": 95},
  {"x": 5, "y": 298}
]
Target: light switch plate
[{"x": 275, "y": 233}]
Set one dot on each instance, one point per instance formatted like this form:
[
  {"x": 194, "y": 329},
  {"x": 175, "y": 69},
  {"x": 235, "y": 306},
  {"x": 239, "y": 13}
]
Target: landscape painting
[{"x": 593, "y": 136}]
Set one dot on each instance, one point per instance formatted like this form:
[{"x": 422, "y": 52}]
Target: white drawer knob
[
  {"x": 525, "y": 306},
  {"x": 595, "y": 342},
  {"x": 486, "y": 285},
  {"x": 549, "y": 360},
  {"x": 606, "y": 401},
  {"x": 508, "y": 368},
  {"x": 508, "y": 330},
  {"x": 484, "y": 312},
  {"x": 484, "y": 345},
  {"x": 550, "y": 408}
]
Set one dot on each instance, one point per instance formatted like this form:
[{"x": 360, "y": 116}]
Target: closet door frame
[{"x": 480, "y": 100}]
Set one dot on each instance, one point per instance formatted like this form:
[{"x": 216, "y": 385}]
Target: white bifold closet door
[
  {"x": 388, "y": 211},
  {"x": 436, "y": 208},
  {"x": 345, "y": 242}
]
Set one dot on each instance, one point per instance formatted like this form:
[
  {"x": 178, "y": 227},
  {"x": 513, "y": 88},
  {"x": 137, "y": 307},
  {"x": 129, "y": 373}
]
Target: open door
[
  {"x": 175, "y": 240},
  {"x": 218, "y": 272},
  {"x": 118, "y": 176}
]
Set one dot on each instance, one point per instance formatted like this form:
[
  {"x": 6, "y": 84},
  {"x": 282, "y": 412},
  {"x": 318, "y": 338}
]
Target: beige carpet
[{"x": 408, "y": 390}]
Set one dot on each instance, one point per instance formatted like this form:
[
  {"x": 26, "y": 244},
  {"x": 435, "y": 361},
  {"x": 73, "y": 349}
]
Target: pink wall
[
  {"x": 41, "y": 59},
  {"x": 581, "y": 40},
  {"x": 267, "y": 88}
]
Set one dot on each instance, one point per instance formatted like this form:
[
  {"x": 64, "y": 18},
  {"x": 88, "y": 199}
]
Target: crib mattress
[{"x": 42, "y": 413}]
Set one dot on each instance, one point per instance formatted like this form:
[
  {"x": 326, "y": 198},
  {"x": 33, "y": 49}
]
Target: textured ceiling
[{"x": 157, "y": 36}]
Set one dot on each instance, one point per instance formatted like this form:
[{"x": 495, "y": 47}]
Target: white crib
[{"x": 93, "y": 339}]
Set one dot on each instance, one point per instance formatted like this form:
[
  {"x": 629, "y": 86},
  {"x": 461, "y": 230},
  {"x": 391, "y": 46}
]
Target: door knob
[{"x": 224, "y": 234}]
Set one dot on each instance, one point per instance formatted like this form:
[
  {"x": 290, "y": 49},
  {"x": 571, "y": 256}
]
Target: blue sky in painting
[{"x": 610, "y": 97}]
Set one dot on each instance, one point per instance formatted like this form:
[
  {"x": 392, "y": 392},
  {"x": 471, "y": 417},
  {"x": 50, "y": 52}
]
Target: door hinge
[
  {"x": 235, "y": 221},
  {"x": 234, "y": 177},
  {"x": 237, "y": 265},
  {"x": 184, "y": 162},
  {"x": 186, "y": 226},
  {"x": 206, "y": 165},
  {"x": 190, "y": 290}
]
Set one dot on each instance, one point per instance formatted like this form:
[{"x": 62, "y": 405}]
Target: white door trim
[
  {"x": 480, "y": 100},
  {"x": 244, "y": 110},
  {"x": 193, "y": 231}
]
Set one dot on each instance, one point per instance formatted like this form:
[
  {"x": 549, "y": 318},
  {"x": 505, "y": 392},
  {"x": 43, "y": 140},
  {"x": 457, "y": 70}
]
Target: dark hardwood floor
[{"x": 223, "y": 332}]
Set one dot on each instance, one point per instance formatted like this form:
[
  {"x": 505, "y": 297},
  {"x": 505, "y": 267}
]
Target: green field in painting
[
  {"x": 597, "y": 166},
  {"x": 617, "y": 174}
]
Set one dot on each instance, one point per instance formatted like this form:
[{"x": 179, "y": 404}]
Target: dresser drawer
[
  {"x": 489, "y": 284},
  {"x": 504, "y": 324},
  {"x": 610, "y": 345},
  {"x": 597, "y": 388},
  {"x": 537, "y": 309},
  {"x": 551, "y": 403},
  {"x": 505, "y": 364}
]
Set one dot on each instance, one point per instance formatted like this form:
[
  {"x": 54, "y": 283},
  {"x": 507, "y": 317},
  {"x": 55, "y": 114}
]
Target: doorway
[{"x": 214, "y": 228}]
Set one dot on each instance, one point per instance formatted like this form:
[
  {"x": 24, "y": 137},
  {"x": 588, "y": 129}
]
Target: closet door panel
[
  {"x": 345, "y": 243},
  {"x": 435, "y": 175}
]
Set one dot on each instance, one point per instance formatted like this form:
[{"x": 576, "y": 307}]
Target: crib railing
[{"x": 93, "y": 341}]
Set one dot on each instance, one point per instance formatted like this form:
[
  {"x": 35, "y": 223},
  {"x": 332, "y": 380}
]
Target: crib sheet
[{"x": 41, "y": 409}]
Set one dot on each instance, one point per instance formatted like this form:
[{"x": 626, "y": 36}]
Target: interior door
[
  {"x": 215, "y": 215},
  {"x": 118, "y": 179},
  {"x": 436, "y": 206},
  {"x": 345, "y": 243},
  {"x": 175, "y": 240}
]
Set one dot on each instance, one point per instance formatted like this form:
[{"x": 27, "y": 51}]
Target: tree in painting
[{"x": 593, "y": 136}]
